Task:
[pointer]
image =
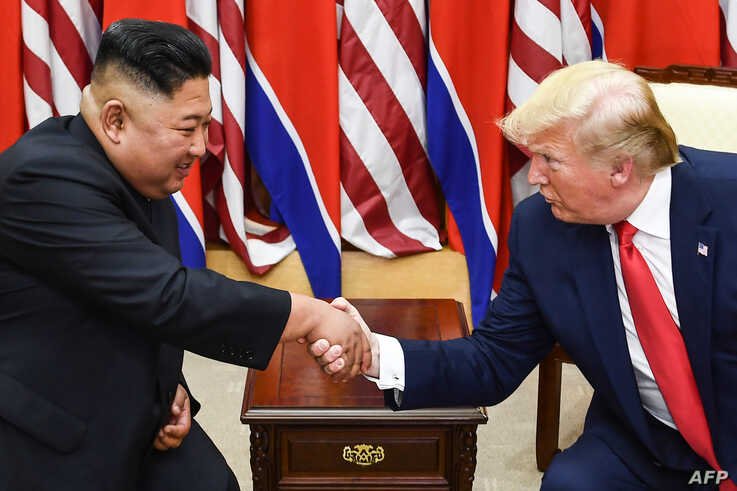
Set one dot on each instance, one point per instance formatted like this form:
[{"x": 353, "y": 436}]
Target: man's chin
[
  {"x": 561, "y": 214},
  {"x": 176, "y": 186},
  {"x": 571, "y": 218}
]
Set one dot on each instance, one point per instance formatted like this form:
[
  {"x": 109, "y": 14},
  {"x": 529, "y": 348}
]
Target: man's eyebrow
[{"x": 197, "y": 116}]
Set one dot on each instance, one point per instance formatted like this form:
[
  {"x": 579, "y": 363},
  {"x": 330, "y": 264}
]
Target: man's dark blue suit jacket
[{"x": 560, "y": 286}]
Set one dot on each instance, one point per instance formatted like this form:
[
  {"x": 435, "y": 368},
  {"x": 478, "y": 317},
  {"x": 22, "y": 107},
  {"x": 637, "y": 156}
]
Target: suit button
[{"x": 249, "y": 355}]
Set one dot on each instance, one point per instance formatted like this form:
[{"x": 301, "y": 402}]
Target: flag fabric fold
[
  {"x": 60, "y": 39},
  {"x": 389, "y": 203},
  {"x": 292, "y": 127},
  {"x": 465, "y": 95},
  {"x": 229, "y": 208}
]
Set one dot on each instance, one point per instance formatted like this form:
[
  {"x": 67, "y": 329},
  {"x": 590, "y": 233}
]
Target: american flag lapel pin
[{"x": 702, "y": 249}]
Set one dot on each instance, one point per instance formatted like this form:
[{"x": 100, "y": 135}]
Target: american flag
[
  {"x": 702, "y": 249},
  {"x": 389, "y": 205},
  {"x": 60, "y": 39}
]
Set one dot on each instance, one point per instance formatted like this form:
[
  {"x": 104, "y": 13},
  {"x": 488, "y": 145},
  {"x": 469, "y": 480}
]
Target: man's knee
[
  {"x": 589, "y": 464},
  {"x": 566, "y": 474}
]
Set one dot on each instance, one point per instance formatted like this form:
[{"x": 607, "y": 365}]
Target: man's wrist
[
  {"x": 391, "y": 364},
  {"x": 375, "y": 369}
]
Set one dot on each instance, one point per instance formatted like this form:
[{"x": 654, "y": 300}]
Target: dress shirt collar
[{"x": 652, "y": 215}]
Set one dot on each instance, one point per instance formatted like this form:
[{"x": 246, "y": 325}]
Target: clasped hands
[
  {"x": 336, "y": 336},
  {"x": 331, "y": 357}
]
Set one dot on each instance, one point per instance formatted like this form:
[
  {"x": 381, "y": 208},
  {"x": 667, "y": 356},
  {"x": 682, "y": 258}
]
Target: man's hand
[
  {"x": 329, "y": 357},
  {"x": 180, "y": 421},
  {"x": 314, "y": 319}
]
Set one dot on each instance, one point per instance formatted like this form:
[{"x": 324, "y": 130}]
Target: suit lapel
[
  {"x": 693, "y": 248},
  {"x": 593, "y": 269}
]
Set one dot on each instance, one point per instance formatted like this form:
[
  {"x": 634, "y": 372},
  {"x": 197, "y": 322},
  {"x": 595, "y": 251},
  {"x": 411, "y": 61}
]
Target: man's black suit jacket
[{"x": 95, "y": 309}]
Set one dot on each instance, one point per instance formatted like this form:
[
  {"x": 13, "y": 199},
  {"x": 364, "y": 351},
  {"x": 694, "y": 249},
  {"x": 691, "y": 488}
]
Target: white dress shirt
[{"x": 652, "y": 219}]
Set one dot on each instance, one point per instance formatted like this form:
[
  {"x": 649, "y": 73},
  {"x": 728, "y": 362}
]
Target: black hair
[{"x": 157, "y": 56}]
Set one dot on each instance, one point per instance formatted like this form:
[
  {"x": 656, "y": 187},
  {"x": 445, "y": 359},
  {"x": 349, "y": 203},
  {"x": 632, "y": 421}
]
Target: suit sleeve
[
  {"x": 487, "y": 366},
  {"x": 65, "y": 223}
]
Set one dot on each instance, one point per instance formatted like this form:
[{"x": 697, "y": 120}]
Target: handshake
[{"x": 336, "y": 336}]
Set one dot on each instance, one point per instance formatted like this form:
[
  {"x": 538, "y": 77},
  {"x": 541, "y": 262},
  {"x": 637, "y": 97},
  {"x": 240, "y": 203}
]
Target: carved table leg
[
  {"x": 465, "y": 437},
  {"x": 261, "y": 462}
]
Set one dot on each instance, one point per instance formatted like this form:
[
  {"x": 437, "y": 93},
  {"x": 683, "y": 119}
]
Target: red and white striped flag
[
  {"x": 389, "y": 204},
  {"x": 728, "y": 32},
  {"x": 60, "y": 39},
  {"x": 225, "y": 170}
]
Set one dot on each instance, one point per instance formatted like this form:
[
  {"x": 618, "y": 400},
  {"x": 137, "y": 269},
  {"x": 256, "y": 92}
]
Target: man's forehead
[
  {"x": 552, "y": 140},
  {"x": 544, "y": 146},
  {"x": 192, "y": 100}
]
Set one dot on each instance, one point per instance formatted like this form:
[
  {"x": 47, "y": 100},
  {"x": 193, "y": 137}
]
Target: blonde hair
[{"x": 606, "y": 110}]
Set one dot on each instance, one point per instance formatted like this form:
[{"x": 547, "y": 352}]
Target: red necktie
[{"x": 665, "y": 350}]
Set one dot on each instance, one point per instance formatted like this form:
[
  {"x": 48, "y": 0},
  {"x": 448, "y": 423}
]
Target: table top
[{"x": 293, "y": 387}]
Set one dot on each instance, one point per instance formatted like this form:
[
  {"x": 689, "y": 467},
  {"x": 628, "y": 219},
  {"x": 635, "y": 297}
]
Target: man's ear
[
  {"x": 113, "y": 119},
  {"x": 622, "y": 171}
]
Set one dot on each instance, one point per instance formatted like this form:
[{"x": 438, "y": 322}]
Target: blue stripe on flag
[
  {"x": 280, "y": 167},
  {"x": 596, "y": 42},
  {"x": 193, "y": 256},
  {"x": 452, "y": 158},
  {"x": 274, "y": 213}
]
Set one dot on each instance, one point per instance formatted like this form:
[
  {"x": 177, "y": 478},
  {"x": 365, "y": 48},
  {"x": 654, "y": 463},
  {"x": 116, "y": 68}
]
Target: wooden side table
[{"x": 308, "y": 433}]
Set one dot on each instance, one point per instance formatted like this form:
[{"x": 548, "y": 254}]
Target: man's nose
[
  {"x": 199, "y": 143},
  {"x": 536, "y": 175}
]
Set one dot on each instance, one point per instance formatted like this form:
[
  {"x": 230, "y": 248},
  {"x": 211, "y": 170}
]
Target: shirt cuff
[{"x": 391, "y": 364}]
